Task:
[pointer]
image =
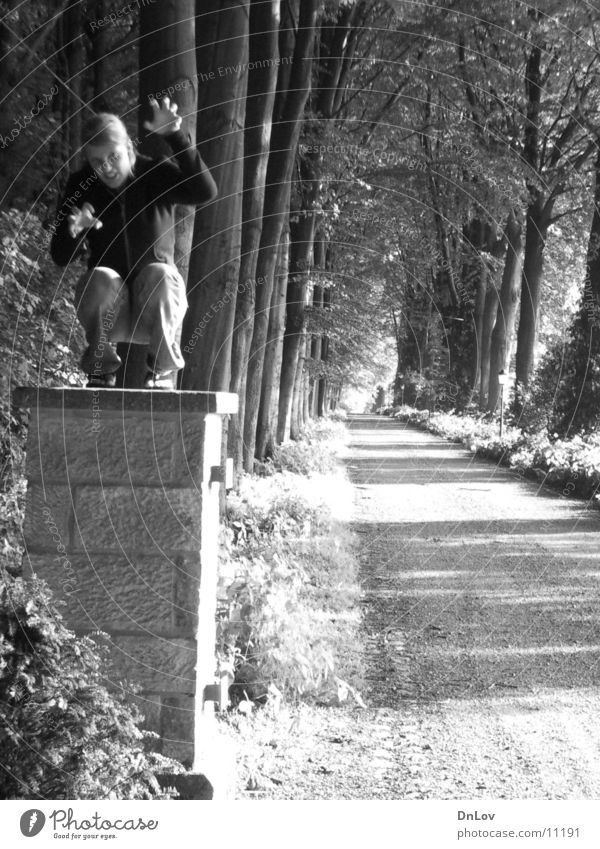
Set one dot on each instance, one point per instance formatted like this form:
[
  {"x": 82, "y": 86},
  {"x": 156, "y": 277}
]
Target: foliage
[
  {"x": 63, "y": 734},
  {"x": 39, "y": 338},
  {"x": 315, "y": 451},
  {"x": 287, "y": 612},
  {"x": 564, "y": 397},
  {"x": 12, "y": 507},
  {"x": 39, "y": 334},
  {"x": 573, "y": 465}
]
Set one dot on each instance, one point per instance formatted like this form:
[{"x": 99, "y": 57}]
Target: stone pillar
[{"x": 121, "y": 520}]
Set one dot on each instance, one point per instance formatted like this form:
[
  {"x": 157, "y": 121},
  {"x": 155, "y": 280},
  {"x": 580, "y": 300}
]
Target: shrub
[
  {"x": 564, "y": 396},
  {"x": 40, "y": 337},
  {"x": 40, "y": 340},
  {"x": 573, "y": 465},
  {"x": 63, "y": 734},
  {"x": 287, "y": 610},
  {"x": 315, "y": 451}
]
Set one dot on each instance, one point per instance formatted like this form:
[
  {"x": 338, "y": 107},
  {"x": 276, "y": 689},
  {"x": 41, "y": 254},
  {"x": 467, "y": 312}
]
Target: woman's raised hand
[{"x": 164, "y": 117}]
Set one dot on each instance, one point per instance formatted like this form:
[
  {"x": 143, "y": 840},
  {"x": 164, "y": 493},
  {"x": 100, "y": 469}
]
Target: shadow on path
[{"x": 477, "y": 583}]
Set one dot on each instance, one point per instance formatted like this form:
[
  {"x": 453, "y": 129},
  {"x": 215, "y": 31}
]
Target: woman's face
[{"x": 112, "y": 162}]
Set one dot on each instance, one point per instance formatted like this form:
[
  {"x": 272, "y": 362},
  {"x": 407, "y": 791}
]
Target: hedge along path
[{"x": 482, "y": 631}]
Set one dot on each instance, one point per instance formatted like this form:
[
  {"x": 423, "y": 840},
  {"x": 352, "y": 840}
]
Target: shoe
[
  {"x": 160, "y": 380},
  {"x": 102, "y": 381}
]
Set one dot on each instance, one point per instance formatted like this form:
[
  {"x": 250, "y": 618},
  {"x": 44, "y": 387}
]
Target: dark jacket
[{"x": 138, "y": 218}]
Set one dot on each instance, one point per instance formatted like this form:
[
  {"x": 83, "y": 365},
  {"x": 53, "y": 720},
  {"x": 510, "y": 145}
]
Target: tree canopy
[{"x": 407, "y": 195}]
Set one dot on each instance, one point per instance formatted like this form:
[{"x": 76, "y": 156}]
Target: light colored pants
[{"x": 150, "y": 310}]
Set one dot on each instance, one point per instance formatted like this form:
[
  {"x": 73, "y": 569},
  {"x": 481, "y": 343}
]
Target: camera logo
[{"x": 32, "y": 822}]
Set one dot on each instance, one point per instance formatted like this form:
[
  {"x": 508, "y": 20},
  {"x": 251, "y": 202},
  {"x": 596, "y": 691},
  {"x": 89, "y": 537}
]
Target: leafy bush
[
  {"x": 40, "y": 341},
  {"x": 63, "y": 735},
  {"x": 40, "y": 337},
  {"x": 564, "y": 397},
  {"x": 411, "y": 415},
  {"x": 315, "y": 451},
  {"x": 287, "y": 613},
  {"x": 573, "y": 465},
  {"x": 12, "y": 506}
]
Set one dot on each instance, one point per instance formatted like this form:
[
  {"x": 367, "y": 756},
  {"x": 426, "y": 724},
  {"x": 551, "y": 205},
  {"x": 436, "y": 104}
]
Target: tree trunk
[
  {"x": 298, "y": 394},
  {"x": 502, "y": 336},
  {"x": 322, "y": 387},
  {"x": 75, "y": 58},
  {"x": 262, "y": 81},
  {"x": 292, "y": 93},
  {"x": 489, "y": 317},
  {"x": 302, "y": 228},
  {"x": 538, "y": 221},
  {"x": 538, "y": 217},
  {"x": 100, "y": 61},
  {"x": 318, "y": 340},
  {"x": 306, "y": 406},
  {"x": 589, "y": 309},
  {"x": 222, "y": 42},
  {"x": 266, "y": 435},
  {"x": 167, "y": 58},
  {"x": 478, "y": 314},
  {"x": 325, "y": 349},
  {"x": 315, "y": 357}
]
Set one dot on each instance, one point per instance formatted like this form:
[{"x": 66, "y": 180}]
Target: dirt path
[
  {"x": 481, "y": 637},
  {"x": 483, "y": 618}
]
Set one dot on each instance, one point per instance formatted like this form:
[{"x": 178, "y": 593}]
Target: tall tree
[
  {"x": 262, "y": 83},
  {"x": 267, "y": 436},
  {"x": 222, "y": 67},
  {"x": 167, "y": 66},
  {"x": 293, "y": 85},
  {"x": 337, "y": 46},
  {"x": 503, "y": 333}
]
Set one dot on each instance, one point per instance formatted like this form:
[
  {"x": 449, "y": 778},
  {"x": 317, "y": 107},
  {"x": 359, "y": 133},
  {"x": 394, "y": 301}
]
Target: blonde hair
[{"x": 103, "y": 128}]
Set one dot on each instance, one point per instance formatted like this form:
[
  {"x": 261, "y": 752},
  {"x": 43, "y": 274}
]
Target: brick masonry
[{"x": 122, "y": 522}]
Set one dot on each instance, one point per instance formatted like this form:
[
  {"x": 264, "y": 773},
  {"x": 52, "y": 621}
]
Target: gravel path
[{"x": 481, "y": 637}]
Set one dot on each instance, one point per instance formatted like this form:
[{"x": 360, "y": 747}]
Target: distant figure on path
[{"x": 122, "y": 204}]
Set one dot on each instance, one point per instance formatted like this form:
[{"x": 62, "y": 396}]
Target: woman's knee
[
  {"x": 160, "y": 280},
  {"x": 97, "y": 286}
]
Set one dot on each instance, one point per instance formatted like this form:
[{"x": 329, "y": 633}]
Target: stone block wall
[{"x": 121, "y": 520}]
